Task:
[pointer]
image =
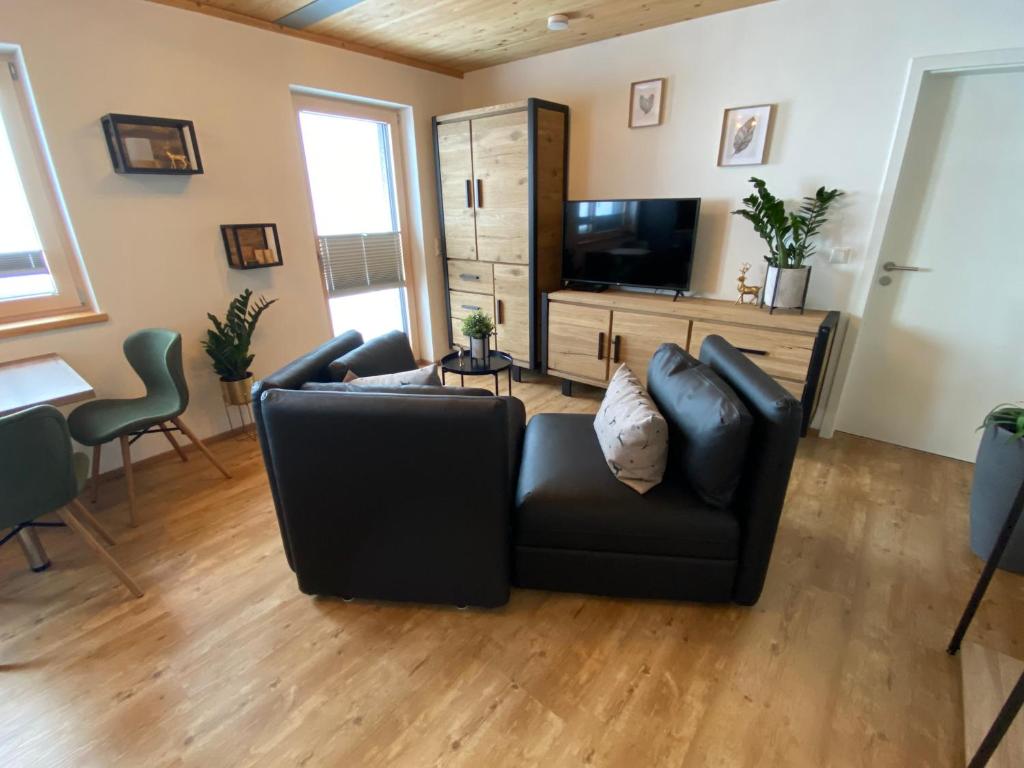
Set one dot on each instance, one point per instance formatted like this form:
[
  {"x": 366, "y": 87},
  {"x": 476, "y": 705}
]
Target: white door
[{"x": 940, "y": 347}]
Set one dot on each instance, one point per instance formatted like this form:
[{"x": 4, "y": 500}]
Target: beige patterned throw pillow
[{"x": 632, "y": 433}]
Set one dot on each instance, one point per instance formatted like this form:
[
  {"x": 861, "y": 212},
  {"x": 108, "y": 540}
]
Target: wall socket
[{"x": 840, "y": 256}]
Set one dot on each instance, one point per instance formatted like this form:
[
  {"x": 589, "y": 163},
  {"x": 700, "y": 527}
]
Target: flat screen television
[{"x": 635, "y": 243}]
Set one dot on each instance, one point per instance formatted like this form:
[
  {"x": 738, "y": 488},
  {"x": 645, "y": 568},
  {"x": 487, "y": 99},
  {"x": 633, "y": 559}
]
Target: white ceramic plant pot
[
  {"x": 785, "y": 288},
  {"x": 480, "y": 348}
]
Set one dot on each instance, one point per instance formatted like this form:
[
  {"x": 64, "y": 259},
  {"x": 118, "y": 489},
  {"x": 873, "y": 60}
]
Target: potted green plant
[
  {"x": 998, "y": 474},
  {"x": 478, "y": 326},
  {"x": 789, "y": 236},
  {"x": 228, "y": 342}
]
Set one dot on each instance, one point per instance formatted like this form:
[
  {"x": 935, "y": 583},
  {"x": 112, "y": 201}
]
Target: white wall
[
  {"x": 835, "y": 68},
  {"x": 152, "y": 245}
]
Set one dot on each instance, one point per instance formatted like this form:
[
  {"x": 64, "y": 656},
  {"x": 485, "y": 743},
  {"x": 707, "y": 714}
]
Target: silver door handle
[{"x": 892, "y": 266}]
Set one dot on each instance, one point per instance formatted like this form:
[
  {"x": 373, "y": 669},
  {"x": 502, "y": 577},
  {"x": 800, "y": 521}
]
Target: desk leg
[
  {"x": 510, "y": 382},
  {"x": 33, "y": 549}
]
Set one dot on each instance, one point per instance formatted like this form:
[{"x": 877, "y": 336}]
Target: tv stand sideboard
[{"x": 586, "y": 335}]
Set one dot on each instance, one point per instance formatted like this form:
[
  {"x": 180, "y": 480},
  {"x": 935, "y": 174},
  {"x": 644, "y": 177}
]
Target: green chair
[
  {"x": 40, "y": 474},
  {"x": 155, "y": 355}
]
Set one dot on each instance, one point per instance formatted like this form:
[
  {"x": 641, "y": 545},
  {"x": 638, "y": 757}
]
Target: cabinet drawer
[
  {"x": 471, "y": 276},
  {"x": 779, "y": 353},
  {"x": 463, "y": 303}
]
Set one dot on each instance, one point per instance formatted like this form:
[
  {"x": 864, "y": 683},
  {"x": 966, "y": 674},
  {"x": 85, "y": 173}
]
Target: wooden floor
[{"x": 225, "y": 663}]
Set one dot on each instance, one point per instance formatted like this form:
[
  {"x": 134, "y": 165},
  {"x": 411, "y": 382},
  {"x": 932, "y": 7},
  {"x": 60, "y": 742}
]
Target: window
[
  {"x": 354, "y": 188},
  {"x": 39, "y": 275}
]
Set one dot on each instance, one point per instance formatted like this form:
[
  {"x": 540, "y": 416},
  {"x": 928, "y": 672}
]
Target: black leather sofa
[
  {"x": 409, "y": 495},
  {"x": 578, "y": 529},
  {"x": 400, "y": 494}
]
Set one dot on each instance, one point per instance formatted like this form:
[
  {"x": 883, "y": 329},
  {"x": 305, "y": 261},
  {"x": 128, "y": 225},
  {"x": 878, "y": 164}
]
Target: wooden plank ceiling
[{"x": 457, "y": 36}]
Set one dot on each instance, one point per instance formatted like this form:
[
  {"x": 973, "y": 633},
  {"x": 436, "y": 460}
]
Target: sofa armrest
[
  {"x": 394, "y": 496},
  {"x": 770, "y": 456}
]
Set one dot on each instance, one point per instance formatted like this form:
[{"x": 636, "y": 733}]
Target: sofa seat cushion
[{"x": 567, "y": 499}]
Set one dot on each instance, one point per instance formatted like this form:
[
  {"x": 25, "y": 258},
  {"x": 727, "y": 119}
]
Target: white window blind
[
  {"x": 361, "y": 262},
  {"x": 22, "y": 264}
]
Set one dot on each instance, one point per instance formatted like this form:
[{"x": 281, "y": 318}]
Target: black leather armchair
[
  {"x": 578, "y": 529},
  {"x": 390, "y": 495}
]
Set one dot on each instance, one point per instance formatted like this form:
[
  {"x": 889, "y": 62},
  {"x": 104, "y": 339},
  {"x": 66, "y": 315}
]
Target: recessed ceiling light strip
[{"x": 311, "y": 13}]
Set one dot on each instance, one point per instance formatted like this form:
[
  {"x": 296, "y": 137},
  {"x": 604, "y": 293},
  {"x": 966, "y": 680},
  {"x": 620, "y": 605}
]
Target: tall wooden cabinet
[{"x": 501, "y": 181}]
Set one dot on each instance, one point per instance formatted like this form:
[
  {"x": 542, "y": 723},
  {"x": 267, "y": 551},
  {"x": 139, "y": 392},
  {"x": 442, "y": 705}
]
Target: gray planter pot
[
  {"x": 785, "y": 288},
  {"x": 480, "y": 348},
  {"x": 998, "y": 473}
]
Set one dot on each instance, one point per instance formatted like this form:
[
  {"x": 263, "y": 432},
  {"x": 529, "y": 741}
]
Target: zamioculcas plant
[
  {"x": 1009, "y": 417},
  {"x": 228, "y": 342},
  {"x": 787, "y": 233}
]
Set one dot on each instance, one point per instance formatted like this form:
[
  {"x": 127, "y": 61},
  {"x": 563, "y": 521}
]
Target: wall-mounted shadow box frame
[
  {"x": 152, "y": 145},
  {"x": 251, "y": 246}
]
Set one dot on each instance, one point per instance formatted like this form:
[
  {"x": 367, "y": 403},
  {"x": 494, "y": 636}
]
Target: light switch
[{"x": 839, "y": 256}]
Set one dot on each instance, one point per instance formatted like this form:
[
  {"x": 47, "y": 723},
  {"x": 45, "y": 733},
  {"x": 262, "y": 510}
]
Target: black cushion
[
  {"x": 406, "y": 389},
  {"x": 567, "y": 499},
  {"x": 390, "y": 353},
  {"x": 709, "y": 426}
]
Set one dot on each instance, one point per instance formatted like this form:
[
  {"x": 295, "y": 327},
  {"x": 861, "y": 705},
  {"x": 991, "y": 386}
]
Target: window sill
[{"x": 50, "y": 323}]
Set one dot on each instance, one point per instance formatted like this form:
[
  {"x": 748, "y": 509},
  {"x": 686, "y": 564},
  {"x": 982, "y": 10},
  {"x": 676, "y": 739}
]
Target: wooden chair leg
[
  {"x": 96, "y": 472},
  {"x": 199, "y": 444},
  {"x": 74, "y": 524},
  {"x": 126, "y": 459},
  {"x": 174, "y": 443},
  {"x": 79, "y": 509}
]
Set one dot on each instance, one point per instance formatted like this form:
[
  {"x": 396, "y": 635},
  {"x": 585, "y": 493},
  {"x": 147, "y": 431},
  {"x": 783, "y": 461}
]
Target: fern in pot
[
  {"x": 478, "y": 326},
  {"x": 789, "y": 236},
  {"x": 228, "y": 343},
  {"x": 998, "y": 474}
]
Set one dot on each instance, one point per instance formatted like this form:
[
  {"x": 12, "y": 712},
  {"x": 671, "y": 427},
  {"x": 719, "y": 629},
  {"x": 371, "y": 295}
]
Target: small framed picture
[
  {"x": 745, "y": 135},
  {"x": 646, "y": 99}
]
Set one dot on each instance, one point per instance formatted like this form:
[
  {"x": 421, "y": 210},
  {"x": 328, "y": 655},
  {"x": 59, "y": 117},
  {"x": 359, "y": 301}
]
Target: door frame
[
  {"x": 393, "y": 117},
  {"x": 919, "y": 69}
]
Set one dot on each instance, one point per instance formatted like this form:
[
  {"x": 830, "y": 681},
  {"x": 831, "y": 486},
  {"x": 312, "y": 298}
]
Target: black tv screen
[{"x": 638, "y": 243}]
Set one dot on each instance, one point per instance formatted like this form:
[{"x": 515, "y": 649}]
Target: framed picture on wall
[
  {"x": 646, "y": 99},
  {"x": 745, "y": 135}
]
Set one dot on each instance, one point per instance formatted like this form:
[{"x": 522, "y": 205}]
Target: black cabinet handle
[
  {"x": 600, "y": 345},
  {"x": 470, "y": 307},
  {"x": 500, "y": 312},
  {"x": 752, "y": 351},
  {"x": 464, "y": 276},
  {"x": 616, "y": 344},
  {"x": 469, "y": 193},
  {"x": 479, "y": 193}
]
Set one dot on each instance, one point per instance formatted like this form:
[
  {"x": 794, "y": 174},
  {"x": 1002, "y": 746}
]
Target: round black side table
[{"x": 464, "y": 365}]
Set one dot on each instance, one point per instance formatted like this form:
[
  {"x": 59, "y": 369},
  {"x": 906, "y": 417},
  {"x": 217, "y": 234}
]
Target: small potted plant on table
[
  {"x": 998, "y": 474},
  {"x": 788, "y": 235},
  {"x": 478, "y": 326},
  {"x": 228, "y": 342}
]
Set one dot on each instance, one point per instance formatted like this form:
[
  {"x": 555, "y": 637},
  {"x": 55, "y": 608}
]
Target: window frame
[
  {"x": 393, "y": 117},
  {"x": 39, "y": 182}
]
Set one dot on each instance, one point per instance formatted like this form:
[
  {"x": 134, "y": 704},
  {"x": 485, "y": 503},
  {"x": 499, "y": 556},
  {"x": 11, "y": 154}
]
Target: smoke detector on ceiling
[{"x": 558, "y": 22}]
